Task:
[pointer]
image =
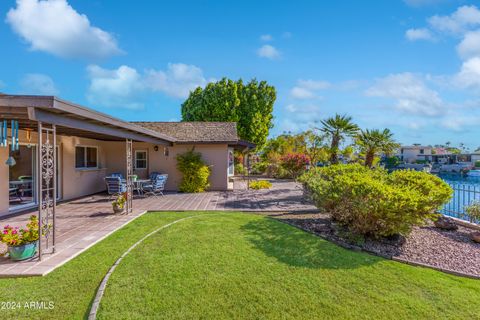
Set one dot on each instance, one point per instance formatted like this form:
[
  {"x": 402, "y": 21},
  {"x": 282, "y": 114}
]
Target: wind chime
[{"x": 14, "y": 145}]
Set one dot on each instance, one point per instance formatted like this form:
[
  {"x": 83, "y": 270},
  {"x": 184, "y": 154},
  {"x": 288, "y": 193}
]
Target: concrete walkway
[{"x": 82, "y": 223}]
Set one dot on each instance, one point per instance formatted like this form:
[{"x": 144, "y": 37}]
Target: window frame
[
  {"x": 85, "y": 147},
  {"x": 146, "y": 159}
]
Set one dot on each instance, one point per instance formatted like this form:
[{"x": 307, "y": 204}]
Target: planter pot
[
  {"x": 475, "y": 236},
  {"x": 23, "y": 252},
  {"x": 117, "y": 209}
]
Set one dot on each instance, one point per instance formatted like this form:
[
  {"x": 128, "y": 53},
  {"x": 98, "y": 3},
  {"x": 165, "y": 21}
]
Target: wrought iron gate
[
  {"x": 47, "y": 188},
  {"x": 129, "y": 203}
]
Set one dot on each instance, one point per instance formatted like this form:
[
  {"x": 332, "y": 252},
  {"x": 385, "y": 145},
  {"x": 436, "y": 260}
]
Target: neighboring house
[
  {"x": 91, "y": 145},
  {"x": 410, "y": 154}
]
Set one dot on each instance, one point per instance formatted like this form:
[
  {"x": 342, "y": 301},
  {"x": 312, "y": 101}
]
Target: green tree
[
  {"x": 250, "y": 105},
  {"x": 314, "y": 146},
  {"x": 374, "y": 142},
  {"x": 337, "y": 128}
]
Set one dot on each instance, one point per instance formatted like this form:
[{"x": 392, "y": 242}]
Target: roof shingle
[{"x": 197, "y": 131}]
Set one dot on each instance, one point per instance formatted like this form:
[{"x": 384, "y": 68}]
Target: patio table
[{"x": 138, "y": 185}]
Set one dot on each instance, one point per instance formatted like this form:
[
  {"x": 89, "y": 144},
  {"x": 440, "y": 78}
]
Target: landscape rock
[{"x": 446, "y": 223}]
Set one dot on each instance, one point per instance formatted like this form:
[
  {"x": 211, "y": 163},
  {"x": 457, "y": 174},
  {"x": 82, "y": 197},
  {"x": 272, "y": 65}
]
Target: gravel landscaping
[{"x": 451, "y": 251}]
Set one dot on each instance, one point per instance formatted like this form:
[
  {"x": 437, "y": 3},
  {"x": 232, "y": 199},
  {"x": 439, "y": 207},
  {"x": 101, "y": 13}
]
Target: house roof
[{"x": 188, "y": 132}]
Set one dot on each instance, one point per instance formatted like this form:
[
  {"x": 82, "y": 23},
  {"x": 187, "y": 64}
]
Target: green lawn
[{"x": 234, "y": 265}]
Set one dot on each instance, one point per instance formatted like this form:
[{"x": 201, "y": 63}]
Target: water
[{"x": 466, "y": 190}]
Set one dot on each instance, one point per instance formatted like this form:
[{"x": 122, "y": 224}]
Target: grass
[{"x": 232, "y": 265}]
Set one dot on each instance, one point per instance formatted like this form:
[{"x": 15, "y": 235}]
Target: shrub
[
  {"x": 473, "y": 211},
  {"x": 260, "y": 184},
  {"x": 294, "y": 163},
  {"x": 477, "y": 164},
  {"x": 240, "y": 169},
  {"x": 195, "y": 172},
  {"x": 259, "y": 167},
  {"x": 373, "y": 202}
]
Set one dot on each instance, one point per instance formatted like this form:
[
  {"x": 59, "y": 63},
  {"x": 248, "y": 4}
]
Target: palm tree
[
  {"x": 337, "y": 128},
  {"x": 374, "y": 142}
]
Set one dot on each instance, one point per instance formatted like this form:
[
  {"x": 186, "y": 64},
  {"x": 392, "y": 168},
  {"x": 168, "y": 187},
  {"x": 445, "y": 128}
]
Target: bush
[
  {"x": 259, "y": 167},
  {"x": 294, "y": 164},
  {"x": 260, "y": 184},
  {"x": 373, "y": 202},
  {"x": 477, "y": 164},
  {"x": 240, "y": 169},
  {"x": 195, "y": 172}
]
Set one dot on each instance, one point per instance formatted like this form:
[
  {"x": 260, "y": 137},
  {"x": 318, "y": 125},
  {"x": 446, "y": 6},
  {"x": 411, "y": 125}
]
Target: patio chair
[
  {"x": 115, "y": 186},
  {"x": 117, "y": 174},
  {"x": 156, "y": 186}
]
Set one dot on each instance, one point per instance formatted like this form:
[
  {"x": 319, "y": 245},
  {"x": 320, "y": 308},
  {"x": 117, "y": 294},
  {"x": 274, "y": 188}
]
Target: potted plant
[
  {"x": 473, "y": 213},
  {"x": 22, "y": 243},
  {"x": 119, "y": 204}
]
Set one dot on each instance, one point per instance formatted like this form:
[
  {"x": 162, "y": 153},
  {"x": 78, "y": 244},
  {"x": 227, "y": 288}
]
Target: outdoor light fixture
[
  {"x": 10, "y": 161},
  {"x": 29, "y": 137},
  {"x": 155, "y": 148}
]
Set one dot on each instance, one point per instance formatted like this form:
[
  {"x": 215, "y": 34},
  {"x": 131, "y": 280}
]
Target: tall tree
[
  {"x": 250, "y": 105},
  {"x": 374, "y": 142},
  {"x": 338, "y": 128}
]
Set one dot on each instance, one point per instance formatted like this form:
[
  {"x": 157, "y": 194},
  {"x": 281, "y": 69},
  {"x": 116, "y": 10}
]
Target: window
[
  {"x": 422, "y": 151},
  {"x": 86, "y": 157},
  {"x": 140, "y": 159}
]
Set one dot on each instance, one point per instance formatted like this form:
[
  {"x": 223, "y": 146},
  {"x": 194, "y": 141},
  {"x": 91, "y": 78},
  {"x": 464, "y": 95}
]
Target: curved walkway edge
[{"x": 101, "y": 289}]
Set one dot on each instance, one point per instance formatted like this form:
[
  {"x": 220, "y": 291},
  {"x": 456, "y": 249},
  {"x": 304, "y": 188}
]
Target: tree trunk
[
  {"x": 369, "y": 158},
  {"x": 334, "y": 150}
]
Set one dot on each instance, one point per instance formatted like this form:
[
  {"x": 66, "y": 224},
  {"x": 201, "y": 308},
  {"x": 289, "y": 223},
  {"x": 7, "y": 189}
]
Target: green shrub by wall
[
  {"x": 194, "y": 171},
  {"x": 374, "y": 202}
]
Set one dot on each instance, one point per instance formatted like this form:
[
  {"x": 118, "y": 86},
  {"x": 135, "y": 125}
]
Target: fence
[{"x": 463, "y": 196}]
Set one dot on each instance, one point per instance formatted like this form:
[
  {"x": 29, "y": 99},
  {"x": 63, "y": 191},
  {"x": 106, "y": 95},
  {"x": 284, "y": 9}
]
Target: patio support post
[
  {"x": 129, "y": 173},
  {"x": 47, "y": 187}
]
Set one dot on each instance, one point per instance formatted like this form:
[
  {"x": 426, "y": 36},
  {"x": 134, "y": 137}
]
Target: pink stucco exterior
[{"x": 75, "y": 183}]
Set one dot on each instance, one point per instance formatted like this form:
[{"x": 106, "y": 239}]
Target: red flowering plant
[
  {"x": 295, "y": 163},
  {"x": 15, "y": 236}
]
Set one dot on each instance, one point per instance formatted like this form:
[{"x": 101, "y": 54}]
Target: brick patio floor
[{"x": 83, "y": 222}]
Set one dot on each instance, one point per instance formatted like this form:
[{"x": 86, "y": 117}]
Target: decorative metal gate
[
  {"x": 47, "y": 187},
  {"x": 129, "y": 204}
]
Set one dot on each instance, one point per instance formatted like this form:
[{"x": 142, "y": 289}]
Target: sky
[{"x": 409, "y": 65}]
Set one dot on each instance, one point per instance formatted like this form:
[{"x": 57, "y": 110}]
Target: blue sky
[{"x": 412, "y": 66}]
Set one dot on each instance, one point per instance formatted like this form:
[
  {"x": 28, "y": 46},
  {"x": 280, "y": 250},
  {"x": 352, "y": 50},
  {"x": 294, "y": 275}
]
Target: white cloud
[
  {"x": 122, "y": 87},
  {"x": 36, "y": 83},
  {"x": 419, "y": 34},
  {"x": 266, "y": 37},
  {"x": 459, "y": 123},
  {"x": 411, "y": 94},
  {"x": 177, "y": 81},
  {"x": 461, "y": 20},
  {"x": 53, "y": 26},
  {"x": 470, "y": 45},
  {"x": 269, "y": 52},
  {"x": 306, "y": 89},
  {"x": 469, "y": 75},
  {"x": 114, "y": 88}
]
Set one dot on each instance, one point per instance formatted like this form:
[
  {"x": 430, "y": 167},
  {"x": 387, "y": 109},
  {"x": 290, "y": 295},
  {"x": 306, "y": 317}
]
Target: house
[
  {"x": 410, "y": 154},
  {"x": 64, "y": 150}
]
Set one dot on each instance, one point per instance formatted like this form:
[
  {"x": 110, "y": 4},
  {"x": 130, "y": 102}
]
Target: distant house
[{"x": 410, "y": 154}]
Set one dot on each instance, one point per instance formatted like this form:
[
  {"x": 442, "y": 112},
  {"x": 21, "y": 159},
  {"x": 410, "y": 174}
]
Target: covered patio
[{"x": 83, "y": 222}]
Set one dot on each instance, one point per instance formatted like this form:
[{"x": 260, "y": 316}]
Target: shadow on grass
[{"x": 298, "y": 248}]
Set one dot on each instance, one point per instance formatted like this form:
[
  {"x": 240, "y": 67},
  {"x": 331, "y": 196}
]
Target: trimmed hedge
[{"x": 373, "y": 202}]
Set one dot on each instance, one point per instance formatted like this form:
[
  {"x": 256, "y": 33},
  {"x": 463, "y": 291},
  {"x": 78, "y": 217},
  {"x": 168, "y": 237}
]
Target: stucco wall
[
  {"x": 73, "y": 182},
  {"x": 214, "y": 155}
]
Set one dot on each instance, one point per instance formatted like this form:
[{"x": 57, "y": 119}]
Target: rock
[
  {"x": 475, "y": 236},
  {"x": 445, "y": 223},
  {"x": 393, "y": 240}
]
